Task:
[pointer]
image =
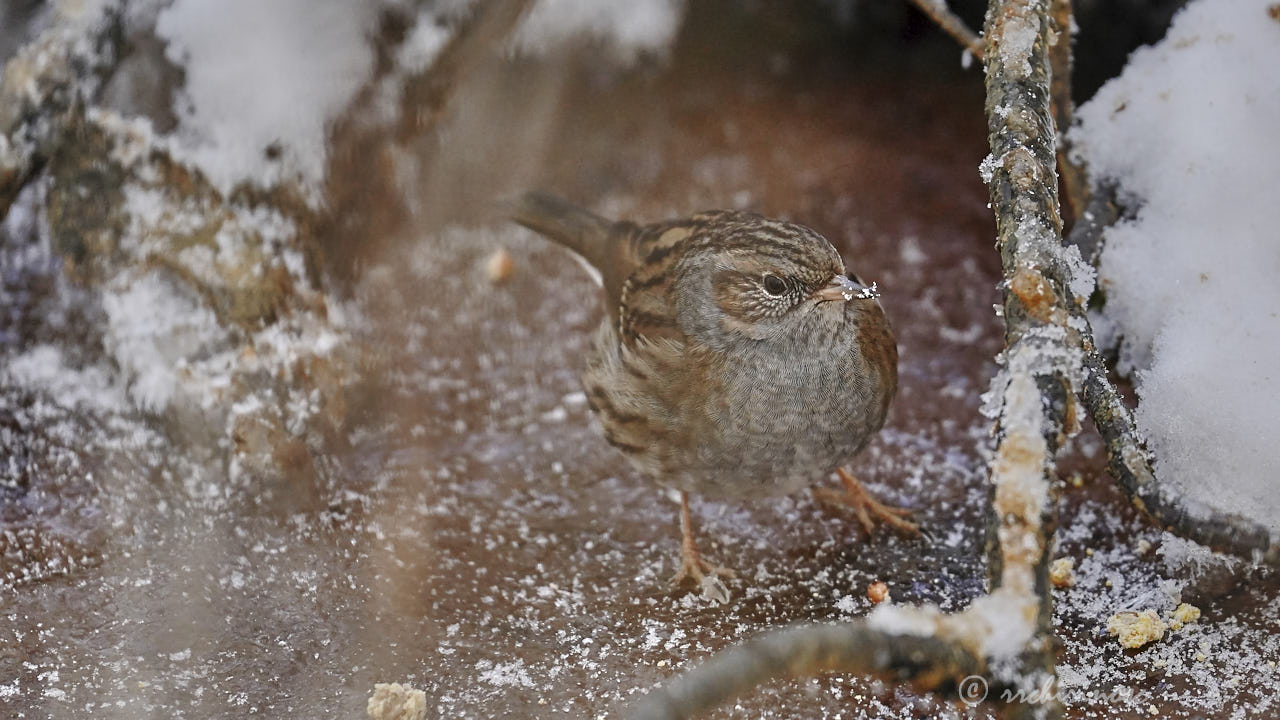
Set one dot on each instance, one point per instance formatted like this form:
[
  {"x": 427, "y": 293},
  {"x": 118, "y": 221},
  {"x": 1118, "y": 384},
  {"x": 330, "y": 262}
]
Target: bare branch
[
  {"x": 1074, "y": 179},
  {"x": 951, "y": 24}
]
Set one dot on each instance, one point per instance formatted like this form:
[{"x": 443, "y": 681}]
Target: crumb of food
[
  {"x": 1136, "y": 629},
  {"x": 1088, "y": 552},
  {"x": 1144, "y": 546},
  {"x": 1060, "y": 572},
  {"x": 1185, "y": 613},
  {"x": 393, "y": 701},
  {"x": 877, "y": 592},
  {"x": 499, "y": 265}
]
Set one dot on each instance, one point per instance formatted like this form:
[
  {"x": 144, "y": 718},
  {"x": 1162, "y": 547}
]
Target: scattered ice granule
[
  {"x": 631, "y": 27},
  {"x": 508, "y": 674},
  {"x": 181, "y": 655},
  {"x": 265, "y": 76},
  {"x": 1190, "y": 279}
]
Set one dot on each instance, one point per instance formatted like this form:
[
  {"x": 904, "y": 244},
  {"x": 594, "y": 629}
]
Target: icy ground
[{"x": 472, "y": 536}]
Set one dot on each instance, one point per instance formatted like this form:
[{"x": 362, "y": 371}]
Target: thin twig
[
  {"x": 1074, "y": 179},
  {"x": 952, "y": 25}
]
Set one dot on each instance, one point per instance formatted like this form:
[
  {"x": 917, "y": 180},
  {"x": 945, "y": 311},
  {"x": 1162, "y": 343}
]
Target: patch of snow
[
  {"x": 631, "y": 27},
  {"x": 265, "y": 75},
  {"x": 1188, "y": 131},
  {"x": 151, "y": 330},
  {"x": 43, "y": 367}
]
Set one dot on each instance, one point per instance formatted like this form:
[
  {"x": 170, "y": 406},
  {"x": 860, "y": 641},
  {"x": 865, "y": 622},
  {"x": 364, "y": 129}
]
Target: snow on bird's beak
[{"x": 843, "y": 289}]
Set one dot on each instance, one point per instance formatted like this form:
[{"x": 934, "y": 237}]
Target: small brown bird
[{"x": 739, "y": 358}]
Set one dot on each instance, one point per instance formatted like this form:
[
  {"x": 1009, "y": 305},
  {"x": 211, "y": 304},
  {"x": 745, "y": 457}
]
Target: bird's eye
[{"x": 774, "y": 285}]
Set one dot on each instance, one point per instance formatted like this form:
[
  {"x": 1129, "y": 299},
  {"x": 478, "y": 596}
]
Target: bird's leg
[
  {"x": 691, "y": 563},
  {"x": 867, "y": 507}
]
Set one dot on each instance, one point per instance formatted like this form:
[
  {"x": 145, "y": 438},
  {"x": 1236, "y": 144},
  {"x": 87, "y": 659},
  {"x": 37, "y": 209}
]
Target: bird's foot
[
  {"x": 854, "y": 495},
  {"x": 704, "y": 574}
]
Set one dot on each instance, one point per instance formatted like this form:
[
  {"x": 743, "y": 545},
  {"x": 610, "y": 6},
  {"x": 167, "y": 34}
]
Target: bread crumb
[
  {"x": 393, "y": 701},
  {"x": 1136, "y": 629},
  {"x": 498, "y": 266},
  {"x": 1144, "y": 546},
  {"x": 1185, "y": 613},
  {"x": 877, "y": 592},
  {"x": 1060, "y": 572}
]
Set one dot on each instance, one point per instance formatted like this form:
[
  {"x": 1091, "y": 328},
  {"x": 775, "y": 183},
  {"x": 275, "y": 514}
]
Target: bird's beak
[{"x": 842, "y": 289}]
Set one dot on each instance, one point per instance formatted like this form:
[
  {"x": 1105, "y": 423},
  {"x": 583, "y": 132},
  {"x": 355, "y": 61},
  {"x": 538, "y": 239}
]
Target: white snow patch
[
  {"x": 44, "y": 368},
  {"x": 631, "y": 27},
  {"x": 264, "y": 74},
  {"x": 151, "y": 330},
  {"x": 1189, "y": 132}
]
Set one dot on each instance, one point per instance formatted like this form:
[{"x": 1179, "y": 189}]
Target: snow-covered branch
[{"x": 58, "y": 71}]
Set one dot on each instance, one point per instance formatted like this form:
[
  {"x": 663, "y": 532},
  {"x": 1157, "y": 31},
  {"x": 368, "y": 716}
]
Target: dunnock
[{"x": 739, "y": 358}]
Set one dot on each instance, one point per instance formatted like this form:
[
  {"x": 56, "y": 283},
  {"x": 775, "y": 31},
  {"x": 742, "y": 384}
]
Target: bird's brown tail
[{"x": 583, "y": 232}]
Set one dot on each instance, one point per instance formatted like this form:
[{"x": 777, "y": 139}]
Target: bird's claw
[
  {"x": 706, "y": 575},
  {"x": 855, "y": 496}
]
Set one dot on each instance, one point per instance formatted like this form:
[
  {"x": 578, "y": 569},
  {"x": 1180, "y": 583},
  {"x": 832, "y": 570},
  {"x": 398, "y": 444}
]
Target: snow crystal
[
  {"x": 1188, "y": 131},
  {"x": 265, "y": 75}
]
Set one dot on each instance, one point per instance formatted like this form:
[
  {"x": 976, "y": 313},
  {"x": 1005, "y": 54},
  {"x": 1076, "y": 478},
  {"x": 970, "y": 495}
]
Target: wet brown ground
[{"x": 473, "y": 536}]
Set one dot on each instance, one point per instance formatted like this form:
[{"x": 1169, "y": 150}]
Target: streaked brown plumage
[{"x": 738, "y": 358}]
